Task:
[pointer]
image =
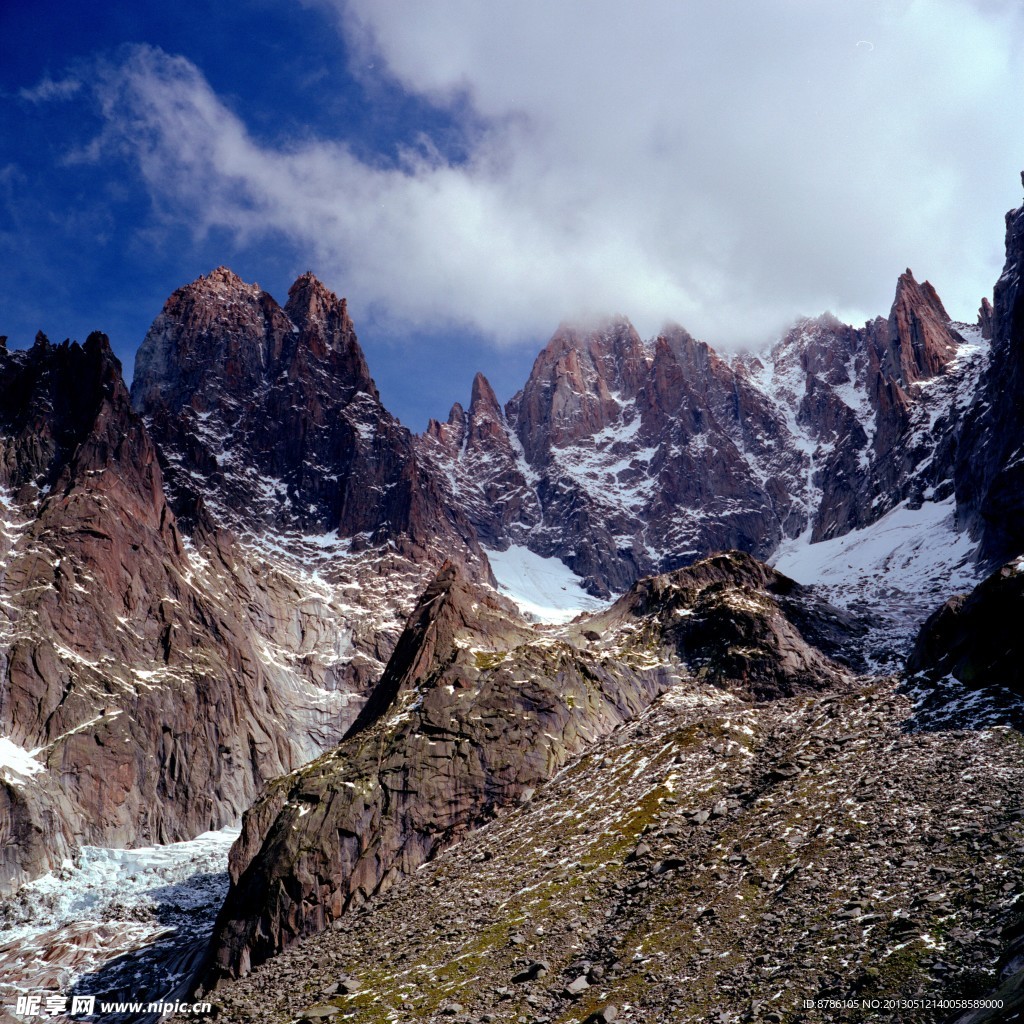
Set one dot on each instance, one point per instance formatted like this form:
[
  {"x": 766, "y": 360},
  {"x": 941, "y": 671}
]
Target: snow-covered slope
[
  {"x": 896, "y": 571},
  {"x": 544, "y": 589}
]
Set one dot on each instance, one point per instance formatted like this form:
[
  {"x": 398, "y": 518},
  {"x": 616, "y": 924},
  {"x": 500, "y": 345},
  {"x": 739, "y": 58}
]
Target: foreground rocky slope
[
  {"x": 712, "y": 857},
  {"x": 722, "y": 856},
  {"x": 476, "y": 711}
]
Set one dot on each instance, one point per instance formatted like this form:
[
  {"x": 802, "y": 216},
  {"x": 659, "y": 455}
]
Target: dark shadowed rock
[
  {"x": 976, "y": 637},
  {"x": 989, "y": 469}
]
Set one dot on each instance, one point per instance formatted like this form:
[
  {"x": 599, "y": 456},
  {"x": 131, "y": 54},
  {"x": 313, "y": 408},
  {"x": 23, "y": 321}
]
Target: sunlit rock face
[{"x": 128, "y": 672}]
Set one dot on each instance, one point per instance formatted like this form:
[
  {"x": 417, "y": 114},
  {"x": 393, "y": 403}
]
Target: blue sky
[{"x": 470, "y": 174}]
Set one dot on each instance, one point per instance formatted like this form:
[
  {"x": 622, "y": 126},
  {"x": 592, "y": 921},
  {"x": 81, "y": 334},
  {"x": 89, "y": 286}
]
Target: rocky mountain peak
[
  {"x": 920, "y": 340},
  {"x": 324, "y": 331},
  {"x": 310, "y": 301},
  {"x": 696, "y": 358},
  {"x": 477, "y": 452},
  {"x": 578, "y": 384},
  {"x": 986, "y": 316},
  {"x": 214, "y": 335},
  {"x": 451, "y": 607},
  {"x": 483, "y": 400},
  {"x": 270, "y": 415},
  {"x": 223, "y": 275},
  {"x": 60, "y": 401},
  {"x": 224, "y": 284},
  {"x": 450, "y": 434},
  {"x": 486, "y": 420}
]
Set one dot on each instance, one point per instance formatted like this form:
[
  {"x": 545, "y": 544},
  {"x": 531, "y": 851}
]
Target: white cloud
[
  {"x": 728, "y": 165},
  {"x": 49, "y": 89}
]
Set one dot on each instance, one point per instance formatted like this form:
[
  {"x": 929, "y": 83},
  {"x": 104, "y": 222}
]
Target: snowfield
[
  {"x": 916, "y": 550},
  {"x": 899, "y": 569},
  {"x": 16, "y": 763},
  {"x": 545, "y": 589}
]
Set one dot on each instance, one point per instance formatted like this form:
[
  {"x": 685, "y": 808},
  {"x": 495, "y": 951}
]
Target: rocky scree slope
[
  {"x": 715, "y": 857},
  {"x": 142, "y": 707},
  {"x": 476, "y": 711},
  {"x": 625, "y": 459}
]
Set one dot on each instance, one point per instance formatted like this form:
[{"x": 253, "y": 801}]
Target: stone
[{"x": 577, "y": 986}]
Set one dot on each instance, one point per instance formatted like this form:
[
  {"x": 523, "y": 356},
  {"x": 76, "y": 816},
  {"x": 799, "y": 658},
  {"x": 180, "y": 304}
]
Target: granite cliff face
[
  {"x": 989, "y": 473},
  {"x": 128, "y": 673},
  {"x": 624, "y": 459}
]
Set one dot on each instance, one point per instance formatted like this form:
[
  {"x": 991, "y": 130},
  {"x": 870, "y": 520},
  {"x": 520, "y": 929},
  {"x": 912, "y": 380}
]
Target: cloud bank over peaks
[{"x": 727, "y": 166}]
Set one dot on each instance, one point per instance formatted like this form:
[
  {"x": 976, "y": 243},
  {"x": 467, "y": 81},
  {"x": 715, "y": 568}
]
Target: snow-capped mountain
[
  {"x": 247, "y": 577},
  {"x": 623, "y": 459}
]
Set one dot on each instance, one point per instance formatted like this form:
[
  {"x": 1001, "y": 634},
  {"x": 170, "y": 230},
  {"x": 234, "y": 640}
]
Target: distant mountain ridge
[{"x": 624, "y": 459}]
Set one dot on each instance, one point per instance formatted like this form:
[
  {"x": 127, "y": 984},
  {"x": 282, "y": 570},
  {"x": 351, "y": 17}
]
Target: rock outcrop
[
  {"x": 974, "y": 637},
  {"x": 989, "y": 463},
  {"x": 475, "y": 712}
]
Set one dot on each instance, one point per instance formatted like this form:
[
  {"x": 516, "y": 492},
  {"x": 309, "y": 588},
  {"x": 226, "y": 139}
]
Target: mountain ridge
[{"x": 206, "y": 583}]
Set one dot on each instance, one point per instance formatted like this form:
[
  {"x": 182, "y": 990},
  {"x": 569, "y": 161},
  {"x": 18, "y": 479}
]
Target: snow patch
[
  {"x": 545, "y": 589},
  {"x": 900, "y": 568},
  {"x": 16, "y": 763},
  {"x": 913, "y": 547}
]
